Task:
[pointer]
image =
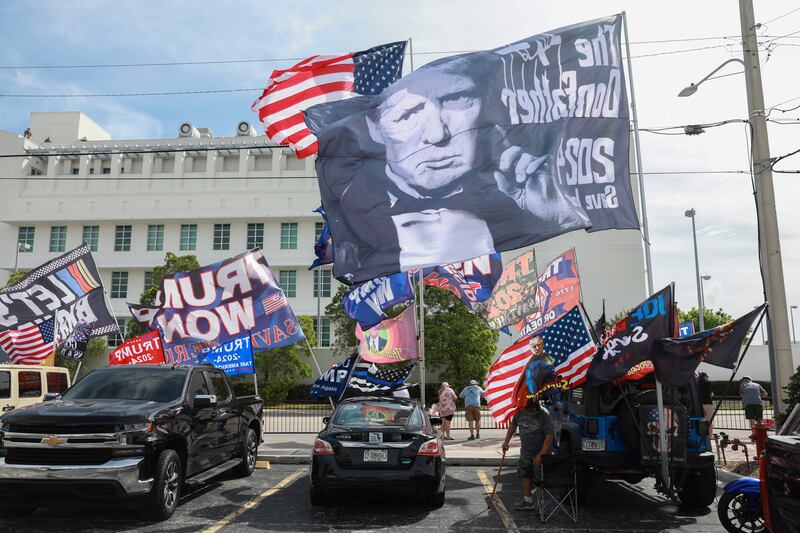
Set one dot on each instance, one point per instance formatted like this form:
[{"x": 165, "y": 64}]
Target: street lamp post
[
  {"x": 791, "y": 309},
  {"x": 20, "y": 246},
  {"x": 690, "y": 213},
  {"x": 703, "y": 295}
]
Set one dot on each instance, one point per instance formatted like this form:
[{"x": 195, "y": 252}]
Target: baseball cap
[
  {"x": 745, "y": 377},
  {"x": 473, "y": 382}
]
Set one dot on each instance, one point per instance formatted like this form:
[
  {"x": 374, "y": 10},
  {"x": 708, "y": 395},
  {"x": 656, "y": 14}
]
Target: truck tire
[
  {"x": 167, "y": 485},
  {"x": 249, "y": 454},
  {"x": 435, "y": 501},
  {"x": 699, "y": 489}
]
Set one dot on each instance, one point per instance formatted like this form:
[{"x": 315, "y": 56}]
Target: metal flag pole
[
  {"x": 318, "y": 276},
  {"x": 316, "y": 364},
  {"x": 422, "y": 337},
  {"x": 662, "y": 435},
  {"x": 411, "y": 54}
]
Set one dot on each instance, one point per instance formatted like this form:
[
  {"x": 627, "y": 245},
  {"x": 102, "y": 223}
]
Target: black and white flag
[
  {"x": 478, "y": 153},
  {"x": 368, "y": 377}
]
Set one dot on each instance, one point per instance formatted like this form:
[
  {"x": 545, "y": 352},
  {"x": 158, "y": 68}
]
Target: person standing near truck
[
  {"x": 707, "y": 398},
  {"x": 752, "y": 395},
  {"x": 536, "y": 436},
  {"x": 472, "y": 408}
]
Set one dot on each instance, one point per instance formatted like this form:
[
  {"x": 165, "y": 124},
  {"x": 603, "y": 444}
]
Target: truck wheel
[
  {"x": 167, "y": 484},
  {"x": 18, "y": 511},
  {"x": 249, "y": 454},
  {"x": 699, "y": 488},
  {"x": 435, "y": 501}
]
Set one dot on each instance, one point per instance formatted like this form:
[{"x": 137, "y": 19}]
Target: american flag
[
  {"x": 30, "y": 344},
  {"x": 567, "y": 341},
  {"x": 320, "y": 79},
  {"x": 273, "y": 302}
]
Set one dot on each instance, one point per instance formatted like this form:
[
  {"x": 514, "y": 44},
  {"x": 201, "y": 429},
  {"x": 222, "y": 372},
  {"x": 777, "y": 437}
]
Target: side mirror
[
  {"x": 436, "y": 421},
  {"x": 51, "y": 396},
  {"x": 205, "y": 400},
  {"x": 326, "y": 420}
]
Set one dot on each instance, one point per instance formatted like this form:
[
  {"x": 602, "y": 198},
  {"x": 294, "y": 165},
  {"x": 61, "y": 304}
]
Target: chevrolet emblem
[{"x": 52, "y": 440}]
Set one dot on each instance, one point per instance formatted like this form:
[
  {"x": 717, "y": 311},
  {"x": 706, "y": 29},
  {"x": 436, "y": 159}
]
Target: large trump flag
[{"x": 478, "y": 153}]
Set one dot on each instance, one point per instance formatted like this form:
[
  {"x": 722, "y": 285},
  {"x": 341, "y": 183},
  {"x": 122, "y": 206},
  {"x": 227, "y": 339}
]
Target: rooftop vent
[
  {"x": 187, "y": 130},
  {"x": 245, "y": 129}
]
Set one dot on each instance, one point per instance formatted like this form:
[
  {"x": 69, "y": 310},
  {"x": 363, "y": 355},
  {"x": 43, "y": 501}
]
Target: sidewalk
[{"x": 295, "y": 448}]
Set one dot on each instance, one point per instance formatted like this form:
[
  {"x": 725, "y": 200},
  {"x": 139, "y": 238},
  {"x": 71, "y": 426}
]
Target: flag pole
[
  {"x": 411, "y": 54},
  {"x": 422, "y": 336},
  {"x": 316, "y": 364},
  {"x": 662, "y": 436}
]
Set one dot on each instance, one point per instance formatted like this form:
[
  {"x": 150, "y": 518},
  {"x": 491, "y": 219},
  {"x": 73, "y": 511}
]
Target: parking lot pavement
[{"x": 277, "y": 500}]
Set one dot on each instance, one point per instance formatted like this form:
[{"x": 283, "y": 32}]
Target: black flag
[
  {"x": 600, "y": 325},
  {"x": 632, "y": 340},
  {"x": 675, "y": 360}
]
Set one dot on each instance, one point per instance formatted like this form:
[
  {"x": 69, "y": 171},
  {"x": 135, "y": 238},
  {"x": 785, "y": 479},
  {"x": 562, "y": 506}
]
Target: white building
[{"x": 213, "y": 197}]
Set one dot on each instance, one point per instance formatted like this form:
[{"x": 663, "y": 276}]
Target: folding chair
[{"x": 558, "y": 474}]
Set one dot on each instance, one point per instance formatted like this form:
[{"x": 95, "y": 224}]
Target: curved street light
[{"x": 692, "y": 88}]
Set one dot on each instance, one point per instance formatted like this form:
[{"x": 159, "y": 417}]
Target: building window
[
  {"x": 25, "y": 238},
  {"x": 289, "y": 236},
  {"x": 58, "y": 238},
  {"x": 91, "y": 236},
  {"x": 188, "y": 237},
  {"x": 323, "y": 331},
  {"x": 35, "y": 171},
  {"x": 76, "y": 171},
  {"x": 318, "y": 230},
  {"x": 122, "y": 239},
  {"x": 325, "y": 281},
  {"x": 255, "y": 236},
  {"x": 119, "y": 284},
  {"x": 155, "y": 237},
  {"x": 222, "y": 237},
  {"x": 288, "y": 281},
  {"x": 148, "y": 280},
  {"x": 106, "y": 170},
  {"x": 116, "y": 339}
]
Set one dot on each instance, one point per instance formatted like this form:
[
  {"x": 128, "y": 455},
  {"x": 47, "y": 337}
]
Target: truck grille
[
  {"x": 51, "y": 429},
  {"x": 40, "y": 456}
]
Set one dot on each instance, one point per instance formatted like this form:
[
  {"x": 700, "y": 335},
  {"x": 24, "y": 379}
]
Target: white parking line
[
  {"x": 288, "y": 480},
  {"x": 498, "y": 505}
]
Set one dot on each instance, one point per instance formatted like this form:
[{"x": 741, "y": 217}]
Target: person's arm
[
  {"x": 763, "y": 392},
  {"x": 512, "y": 427},
  {"x": 548, "y": 441},
  {"x": 462, "y": 393}
]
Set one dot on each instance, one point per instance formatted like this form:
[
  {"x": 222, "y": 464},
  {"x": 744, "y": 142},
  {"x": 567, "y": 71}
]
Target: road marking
[
  {"x": 288, "y": 480},
  {"x": 498, "y": 505}
]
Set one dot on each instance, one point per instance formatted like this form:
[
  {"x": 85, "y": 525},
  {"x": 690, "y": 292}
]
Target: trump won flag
[{"x": 391, "y": 341}]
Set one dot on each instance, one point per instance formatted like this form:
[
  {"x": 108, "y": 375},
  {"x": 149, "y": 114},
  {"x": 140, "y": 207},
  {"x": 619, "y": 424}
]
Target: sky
[{"x": 90, "y": 32}]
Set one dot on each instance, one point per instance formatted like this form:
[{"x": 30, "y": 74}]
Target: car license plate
[
  {"x": 593, "y": 445},
  {"x": 375, "y": 456}
]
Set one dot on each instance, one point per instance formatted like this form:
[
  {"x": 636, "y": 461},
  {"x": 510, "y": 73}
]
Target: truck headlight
[{"x": 135, "y": 434}]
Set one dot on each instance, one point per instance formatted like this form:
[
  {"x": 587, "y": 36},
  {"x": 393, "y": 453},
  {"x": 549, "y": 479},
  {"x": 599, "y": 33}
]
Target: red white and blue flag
[
  {"x": 31, "y": 344},
  {"x": 319, "y": 79}
]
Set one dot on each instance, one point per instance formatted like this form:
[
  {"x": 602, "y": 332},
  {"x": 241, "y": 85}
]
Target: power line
[
  {"x": 781, "y": 16},
  {"x": 164, "y": 93}
]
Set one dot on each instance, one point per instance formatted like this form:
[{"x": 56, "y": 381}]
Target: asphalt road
[{"x": 277, "y": 500}]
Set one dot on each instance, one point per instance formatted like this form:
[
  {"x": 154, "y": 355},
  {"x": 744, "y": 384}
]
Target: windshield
[
  {"x": 148, "y": 384},
  {"x": 792, "y": 424},
  {"x": 377, "y": 414}
]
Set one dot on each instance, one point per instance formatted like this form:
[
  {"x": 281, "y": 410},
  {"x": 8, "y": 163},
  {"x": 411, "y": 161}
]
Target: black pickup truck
[{"x": 133, "y": 434}]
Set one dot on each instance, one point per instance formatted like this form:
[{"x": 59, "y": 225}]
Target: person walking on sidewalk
[
  {"x": 752, "y": 395},
  {"x": 536, "y": 436},
  {"x": 447, "y": 407},
  {"x": 472, "y": 402},
  {"x": 707, "y": 398}
]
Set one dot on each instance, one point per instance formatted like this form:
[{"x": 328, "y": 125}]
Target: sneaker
[
  {"x": 477, "y": 435},
  {"x": 471, "y": 437},
  {"x": 524, "y": 505}
]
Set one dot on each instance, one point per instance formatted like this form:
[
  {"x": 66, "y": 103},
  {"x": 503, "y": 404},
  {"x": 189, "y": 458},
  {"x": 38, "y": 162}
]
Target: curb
[
  {"x": 726, "y": 477},
  {"x": 304, "y": 459}
]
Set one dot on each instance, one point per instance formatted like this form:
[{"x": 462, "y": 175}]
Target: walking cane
[{"x": 499, "y": 470}]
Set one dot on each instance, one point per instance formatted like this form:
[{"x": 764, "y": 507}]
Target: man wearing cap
[
  {"x": 752, "y": 394},
  {"x": 472, "y": 401}
]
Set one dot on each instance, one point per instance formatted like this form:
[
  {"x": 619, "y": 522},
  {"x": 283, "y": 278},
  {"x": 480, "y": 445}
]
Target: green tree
[
  {"x": 711, "y": 318},
  {"x": 793, "y": 395},
  {"x": 458, "y": 344},
  {"x": 281, "y": 369},
  {"x": 172, "y": 265},
  {"x": 14, "y": 277}
]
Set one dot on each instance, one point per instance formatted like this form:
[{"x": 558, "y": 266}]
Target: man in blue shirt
[{"x": 472, "y": 401}]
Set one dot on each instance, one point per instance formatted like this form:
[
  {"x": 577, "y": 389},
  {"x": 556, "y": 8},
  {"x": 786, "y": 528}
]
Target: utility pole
[{"x": 780, "y": 349}]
